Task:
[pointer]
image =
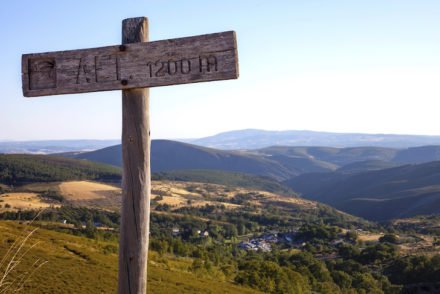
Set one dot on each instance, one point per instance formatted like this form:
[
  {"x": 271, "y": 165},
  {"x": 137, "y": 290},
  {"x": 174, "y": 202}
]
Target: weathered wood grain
[
  {"x": 136, "y": 183},
  {"x": 138, "y": 65}
]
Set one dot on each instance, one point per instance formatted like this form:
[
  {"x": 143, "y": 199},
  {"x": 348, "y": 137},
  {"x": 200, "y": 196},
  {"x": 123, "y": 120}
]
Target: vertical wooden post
[{"x": 136, "y": 179}]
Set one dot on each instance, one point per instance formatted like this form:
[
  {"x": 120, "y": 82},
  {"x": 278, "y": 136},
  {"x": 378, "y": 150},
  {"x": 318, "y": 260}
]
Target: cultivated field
[
  {"x": 172, "y": 193},
  {"x": 91, "y": 194},
  {"x": 24, "y": 201}
]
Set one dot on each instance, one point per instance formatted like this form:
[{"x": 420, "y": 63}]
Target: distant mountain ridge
[
  {"x": 278, "y": 162},
  {"x": 171, "y": 155},
  {"x": 256, "y": 139},
  {"x": 238, "y": 140}
]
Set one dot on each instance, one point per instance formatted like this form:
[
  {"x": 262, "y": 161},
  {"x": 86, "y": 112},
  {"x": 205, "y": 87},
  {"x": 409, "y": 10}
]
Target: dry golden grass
[
  {"x": 203, "y": 203},
  {"x": 23, "y": 201},
  {"x": 175, "y": 201},
  {"x": 13, "y": 279},
  {"x": 290, "y": 200},
  {"x": 91, "y": 194},
  {"x": 178, "y": 194},
  {"x": 85, "y": 190},
  {"x": 175, "y": 194},
  {"x": 369, "y": 237}
]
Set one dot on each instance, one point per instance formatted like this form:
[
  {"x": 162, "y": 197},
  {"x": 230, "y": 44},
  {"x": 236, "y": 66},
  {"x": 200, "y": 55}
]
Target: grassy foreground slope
[{"x": 81, "y": 265}]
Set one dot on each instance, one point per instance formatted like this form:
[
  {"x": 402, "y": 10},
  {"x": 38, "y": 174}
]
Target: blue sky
[{"x": 344, "y": 66}]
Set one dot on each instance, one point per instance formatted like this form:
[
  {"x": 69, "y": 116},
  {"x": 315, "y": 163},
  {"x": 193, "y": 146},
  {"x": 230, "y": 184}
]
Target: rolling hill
[
  {"x": 331, "y": 156},
  {"x": 171, "y": 155},
  {"x": 277, "y": 162},
  {"x": 19, "y": 170},
  {"x": 367, "y": 165},
  {"x": 372, "y": 182},
  {"x": 397, "y": 192},
  {"x": 340, "y": 157}
]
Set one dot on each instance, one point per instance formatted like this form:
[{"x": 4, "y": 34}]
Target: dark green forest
[{"x": 20, "y": 169}]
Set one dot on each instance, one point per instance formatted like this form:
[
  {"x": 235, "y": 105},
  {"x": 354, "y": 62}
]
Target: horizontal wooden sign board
[{"x": 139, "y": 65}]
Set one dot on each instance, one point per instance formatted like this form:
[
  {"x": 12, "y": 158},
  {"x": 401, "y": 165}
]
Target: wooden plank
[
  {"x": 136, "y": 179},
  {"x": 150, "y": 64}
]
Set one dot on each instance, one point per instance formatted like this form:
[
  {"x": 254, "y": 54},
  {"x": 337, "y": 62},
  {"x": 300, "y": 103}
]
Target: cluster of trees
[
  {"x": 277, "y": 271},
  {"x": 414, "y": 270},
  {"x": 427, "y": 225},
  {"x": 354, "y": 267},
  {"x": 19, "y": 169}
]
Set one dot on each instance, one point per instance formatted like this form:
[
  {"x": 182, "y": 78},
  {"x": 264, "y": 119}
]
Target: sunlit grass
[
  {"x": 14, "y": 274},
  {"x": 81, "y": 265}
]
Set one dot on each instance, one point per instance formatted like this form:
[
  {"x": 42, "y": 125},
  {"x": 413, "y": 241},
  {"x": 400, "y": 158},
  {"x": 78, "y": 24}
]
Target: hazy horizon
[{"x": 210, "y": 135}]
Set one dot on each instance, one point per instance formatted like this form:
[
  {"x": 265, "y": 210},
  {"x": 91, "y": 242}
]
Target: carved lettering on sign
[
  {"x": 42, "y": 73},
  {"x": 208, "y": 63},
  {"x": 86, "y": 71},
  {"x": 186, "y": 60},
  {"x": 107, "y": 68},
  {"x": 161, "y": 68},
  {"x": 185, "y": 66}
]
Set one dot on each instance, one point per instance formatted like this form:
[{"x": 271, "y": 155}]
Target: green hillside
[
  {"x": 74, "y": 264},
  {"x": 331, "y": 155},
  {"x": 19, "y": 169},
  {"x": 418, "y": 154},
  {"x": 170, "y": 155},
  {"x": 367, "y": 165},
  {"x": 277, "y": 162},
  {"x": 379, "y": 195}
]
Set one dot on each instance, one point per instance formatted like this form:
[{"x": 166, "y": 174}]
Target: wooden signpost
[{"x": 133, "y": 67}]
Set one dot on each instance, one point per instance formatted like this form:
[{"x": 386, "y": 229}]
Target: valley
[
  {"x": 203, "y": 233},
  {"x": 376, "y": 183}
]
